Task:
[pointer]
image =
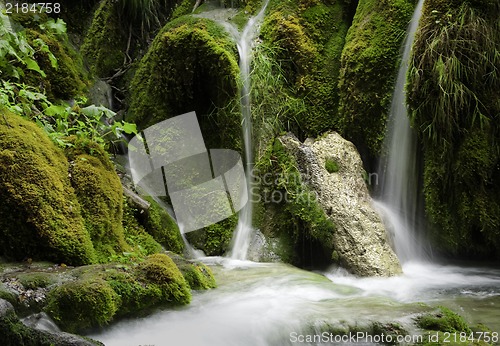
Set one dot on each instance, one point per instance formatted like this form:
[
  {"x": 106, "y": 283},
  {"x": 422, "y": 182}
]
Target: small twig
[
  {"x": 125, "y": 62},
  {"x": 8, "y": 125}
]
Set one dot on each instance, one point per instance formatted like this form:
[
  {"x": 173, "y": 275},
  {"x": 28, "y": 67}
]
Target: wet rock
[
  {"x": 360, "y": 238},
  {"x": 13, "y": 332}
]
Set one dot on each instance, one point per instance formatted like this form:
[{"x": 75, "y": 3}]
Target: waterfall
[
  {"x": 398, "y": 169},
  {"x": 243, "y": 233}
]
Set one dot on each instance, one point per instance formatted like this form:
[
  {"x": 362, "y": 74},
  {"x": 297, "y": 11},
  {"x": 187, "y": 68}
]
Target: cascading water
[
  {"x": 273, "y": 303},
  {"x": 243, "y": 233},
  {"x": 398, "y": 169}
]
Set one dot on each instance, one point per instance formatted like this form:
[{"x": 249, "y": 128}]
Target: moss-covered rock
[
  {"x": 192, "y": 65},
  {"x": 452, "y": 82},
  {"x": 162, "y": 227},
  {"x": 214, "y": 240},
  {"x": 105, "y": 43},
  {"x": 292, "y": 214},
  {"x": 82, "y": 304},
  {"x": 99, "y": 192},
  {"x": 39, "y": 212},
  {"x": 443, "y": 320},
  {"x": 68, "y": 78},
  {"x": 198, "y": 275},
  {"x": 370, "y": 59},
  {"x": 160, "y": 270},
  {"x": 13, "y": 332},
  {"x": 95, "y": 295},
  {"x": 308, "y": 37}
]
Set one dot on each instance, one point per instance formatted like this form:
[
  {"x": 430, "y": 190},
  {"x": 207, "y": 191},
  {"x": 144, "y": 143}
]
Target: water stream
[
  {"x": 274, "y": 304},
  {"x": 398, "y": 169},
  {"x": 271, "y": 303},
  {"x": 243, "y": 232}
]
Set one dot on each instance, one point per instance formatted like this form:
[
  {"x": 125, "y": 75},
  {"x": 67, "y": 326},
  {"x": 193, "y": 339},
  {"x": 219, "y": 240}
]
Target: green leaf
[
  {"x": 129, "y": 128},
  {"x": 55, "y": 110},
  {"x": 33, "y": 65},
  {"x": 57, "y": 27}
]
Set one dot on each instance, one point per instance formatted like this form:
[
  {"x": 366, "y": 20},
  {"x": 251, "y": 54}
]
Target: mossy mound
[
  {"x": 101, "y": 293},
  {"x": 198, "y": 276},
  {"x": 68, "y": 77},
  {"x": 370, "y": 60},
  {"x": 105, "y": 43},
  {"x": 453, "y": 80},
  {"x": 39, "y": 212},
  {"x": 65, "y": 81},
  {"x": 192, "y": 65},
  {"x": 307, "y": 38},
  {"x": 214, "y": 240},
  {"x": 99, "y": 192},
  {"x": 443, "y": 320},
  {"x": 162, "y": 227},
  {"x": 81, "y": 304}
]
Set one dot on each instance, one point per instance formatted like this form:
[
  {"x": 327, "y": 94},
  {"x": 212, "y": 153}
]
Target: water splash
[
  {"x": 244, "y": 230},
  {"x": 399, "y": 188}
]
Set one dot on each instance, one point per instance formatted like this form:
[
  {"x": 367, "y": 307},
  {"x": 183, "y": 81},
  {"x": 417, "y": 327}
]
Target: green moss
[
  {"x": 81, "y": 304},
  {"x": 101, "y": 293},
  {"x": 99, "y": 191},
  {"x": 191, "y": 65},
  {"x": 183, "y": 8},
  {"x": 444, "y": 320},
  {"x": 309, "y": 38},
  {"x": 214, "y": 240},
  {"x": 105, "y": 44},
  {"x": 160, "y": 270},
  {"x": 35, "y": 280},
  {"x": 297, "y": 216},
  {"x": 455, "y": 110},
  {"x": 163, "y": 228},
  {"x": 140, "y": 241},
  {"x": 331, "y": 166},
  {"x": 15, "y": 333},
  {"x": 197, "y": 275},
  {"x": 39, "y": 212},
  {"x": 65, "y": 81},
  {"x": 369, "y": 63}
]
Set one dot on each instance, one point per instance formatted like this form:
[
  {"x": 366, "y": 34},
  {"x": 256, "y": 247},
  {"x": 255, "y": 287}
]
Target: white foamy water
[
  {"x": 262, "y": 303},
  {"x": 398, "y": 169}
]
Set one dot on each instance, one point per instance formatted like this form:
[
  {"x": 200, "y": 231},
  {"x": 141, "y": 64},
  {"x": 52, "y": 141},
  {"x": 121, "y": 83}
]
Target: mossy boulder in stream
[
  {"x": 101, "y": 293},
  {"x": 192, "y": 65},
  {"x": 39, "y": 212}
]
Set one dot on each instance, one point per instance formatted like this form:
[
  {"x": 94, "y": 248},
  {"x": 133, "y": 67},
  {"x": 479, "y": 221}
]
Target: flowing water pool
[{"x": 273, "y": 304}]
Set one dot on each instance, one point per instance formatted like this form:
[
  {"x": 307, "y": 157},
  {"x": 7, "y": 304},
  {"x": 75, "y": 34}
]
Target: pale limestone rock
[{"x": 360, "y": 237}]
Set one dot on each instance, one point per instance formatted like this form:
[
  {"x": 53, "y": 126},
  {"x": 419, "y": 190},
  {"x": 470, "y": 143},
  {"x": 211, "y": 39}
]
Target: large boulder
[
  {"x": 332, "y": 168},
  {"x": 39, "y": 213}
]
